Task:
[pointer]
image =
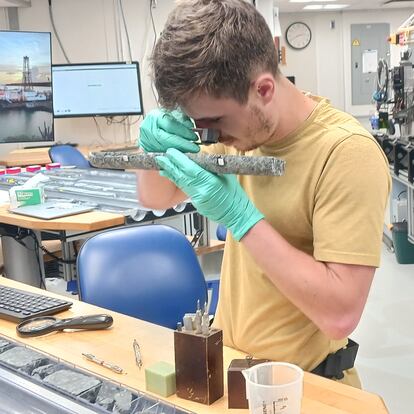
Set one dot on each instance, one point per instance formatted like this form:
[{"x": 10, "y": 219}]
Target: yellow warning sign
[{"x": 356, "y": 42}]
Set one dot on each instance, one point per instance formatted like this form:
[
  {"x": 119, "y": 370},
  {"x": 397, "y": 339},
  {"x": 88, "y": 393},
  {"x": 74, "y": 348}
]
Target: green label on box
[{"x": 28, "y": 197}]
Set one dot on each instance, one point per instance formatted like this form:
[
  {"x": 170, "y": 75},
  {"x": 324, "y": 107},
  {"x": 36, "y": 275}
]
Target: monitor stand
[
  {"x": 38, "y": 146},
  {"x": 72, "y": 144}
]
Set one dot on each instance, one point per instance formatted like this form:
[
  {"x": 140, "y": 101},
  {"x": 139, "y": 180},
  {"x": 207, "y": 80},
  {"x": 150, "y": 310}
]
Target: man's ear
[{"x": 264, "y": 88}]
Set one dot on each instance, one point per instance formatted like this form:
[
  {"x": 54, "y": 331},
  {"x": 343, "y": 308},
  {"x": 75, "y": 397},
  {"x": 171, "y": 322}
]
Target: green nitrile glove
[
  {"x": 218, "y": 197},
  {"x": 163, "y": 129}
]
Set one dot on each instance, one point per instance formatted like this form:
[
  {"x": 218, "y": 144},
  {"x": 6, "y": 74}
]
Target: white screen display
[{"x": 96, "y": 89}]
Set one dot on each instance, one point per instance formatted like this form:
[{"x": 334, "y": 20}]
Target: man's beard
[{"x": 258, "y": 132}]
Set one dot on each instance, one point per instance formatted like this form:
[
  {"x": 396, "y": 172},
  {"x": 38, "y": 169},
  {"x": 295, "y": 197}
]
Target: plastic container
[
  {"x": 404, "y": 250},
  {"x": 13, "y": 170},
  {"x": 274, "y": 387},
  {"x": 33, "y": 168},
  {"x": 52, "y": 165}
]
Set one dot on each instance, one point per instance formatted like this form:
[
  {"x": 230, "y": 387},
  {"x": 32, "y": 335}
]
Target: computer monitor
[
  {"x": 96, "y": 89},
  {"x": 292, "y": 79},
  {"x": 26, "y": 113}
]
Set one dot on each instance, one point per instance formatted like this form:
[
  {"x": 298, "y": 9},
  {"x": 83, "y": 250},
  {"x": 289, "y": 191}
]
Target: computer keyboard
[{"x": 18, "y": 305}]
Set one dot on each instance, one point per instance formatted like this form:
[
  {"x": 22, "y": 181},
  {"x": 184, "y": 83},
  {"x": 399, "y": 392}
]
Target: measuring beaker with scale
[{"x": 274, "y": 388}]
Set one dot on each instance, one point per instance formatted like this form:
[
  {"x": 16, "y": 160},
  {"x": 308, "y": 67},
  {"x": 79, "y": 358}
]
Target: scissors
[{"x": 43, "y": 325}]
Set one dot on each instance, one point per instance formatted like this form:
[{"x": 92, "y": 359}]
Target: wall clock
[{"x": 298, "y": 35}]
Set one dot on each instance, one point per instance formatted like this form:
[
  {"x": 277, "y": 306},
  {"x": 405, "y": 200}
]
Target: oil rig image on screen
[{"x": 26, "y": 112}]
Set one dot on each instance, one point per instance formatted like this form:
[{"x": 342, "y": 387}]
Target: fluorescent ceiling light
[
  {"x": 15, "y": 3},
  {"x": 310, "y": 1},
  {"x": 313, "y": 7},
  {"x": 335, "y": 6},
  {"x": 325, "y": 6}
]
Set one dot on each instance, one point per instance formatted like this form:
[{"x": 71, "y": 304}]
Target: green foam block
[{"x": 160, "y": 378}]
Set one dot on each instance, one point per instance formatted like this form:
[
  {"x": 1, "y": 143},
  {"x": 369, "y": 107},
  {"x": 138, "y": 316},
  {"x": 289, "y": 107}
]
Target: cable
[
  {"x": 126, "y": 29},
  {"x": 402, "y": 192},
  {"x": 185, "y": 225},
  {"x": 98, "y": 129},
  {"x": 153, "y": 27},
  {"x": 37, "y": 245},
  {"x": 55, "y": 31},
  {"x": 135, "y": 122},
  {"x": 57, "y": 258},
  {"x": 110, "y": 120},
  {"x": 153, "y": 48},
  {"x": 32, "y": 234},
  {"x": 381, "y": 94},
  {"x": 196, "y": 237}
]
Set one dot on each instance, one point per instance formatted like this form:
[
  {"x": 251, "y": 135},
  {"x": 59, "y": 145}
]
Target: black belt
[{"x": 334, "y": 364}]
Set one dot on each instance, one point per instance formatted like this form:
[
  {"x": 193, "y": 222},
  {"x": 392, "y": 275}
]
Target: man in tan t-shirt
[{"x": 302, "y": 249}]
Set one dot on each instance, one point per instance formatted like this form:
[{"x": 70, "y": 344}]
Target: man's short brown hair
[{"x": 213, "y": 47}]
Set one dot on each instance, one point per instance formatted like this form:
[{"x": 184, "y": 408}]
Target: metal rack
[
  {"x": 401, "y": 183},
  {"x": 104, "y": 190},
  {"x": 25, "y": 384},
  {"x": 404, "y": 34}
]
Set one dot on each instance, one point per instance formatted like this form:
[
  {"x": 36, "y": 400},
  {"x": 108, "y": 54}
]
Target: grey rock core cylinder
[{"x": 216, "y": 163}]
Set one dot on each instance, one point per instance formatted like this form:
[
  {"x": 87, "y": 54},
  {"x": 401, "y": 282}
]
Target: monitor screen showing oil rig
[{"x": 26, "y": 113}]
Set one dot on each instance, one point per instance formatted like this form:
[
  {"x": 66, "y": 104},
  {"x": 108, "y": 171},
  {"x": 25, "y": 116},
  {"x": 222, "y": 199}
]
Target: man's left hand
[{"x": 218, "y": 197}]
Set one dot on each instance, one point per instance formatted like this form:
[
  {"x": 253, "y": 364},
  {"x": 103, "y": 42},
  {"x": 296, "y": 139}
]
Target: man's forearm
[
  {"x": 331, "y": 295},
  {"x": 157, "y": 192}
]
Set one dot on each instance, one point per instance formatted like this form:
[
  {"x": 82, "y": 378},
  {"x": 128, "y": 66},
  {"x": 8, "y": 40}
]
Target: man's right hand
[{"x": 163, "y": 129}]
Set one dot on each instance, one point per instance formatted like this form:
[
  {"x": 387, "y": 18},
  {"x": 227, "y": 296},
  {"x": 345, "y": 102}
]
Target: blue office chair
[
  {"x": 214, "y": 285},
  {"x": 68, "y": 155},
  {"x": 150, "y": 272},
  {"x": 221, "y": 232}
]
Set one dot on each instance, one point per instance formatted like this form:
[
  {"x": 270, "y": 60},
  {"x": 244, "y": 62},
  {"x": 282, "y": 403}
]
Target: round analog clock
[{"x": 298, "y": 35}]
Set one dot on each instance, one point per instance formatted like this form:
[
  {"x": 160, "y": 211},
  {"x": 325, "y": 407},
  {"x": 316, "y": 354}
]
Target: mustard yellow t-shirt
[{"x": 330, "y": 204}]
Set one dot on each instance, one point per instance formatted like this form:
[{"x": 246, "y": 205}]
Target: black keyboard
[{"x": 18, "y": 305}]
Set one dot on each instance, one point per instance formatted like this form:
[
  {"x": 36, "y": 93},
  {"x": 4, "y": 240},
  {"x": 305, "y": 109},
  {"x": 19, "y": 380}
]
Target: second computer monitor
[{"x": 96, "y": 89}]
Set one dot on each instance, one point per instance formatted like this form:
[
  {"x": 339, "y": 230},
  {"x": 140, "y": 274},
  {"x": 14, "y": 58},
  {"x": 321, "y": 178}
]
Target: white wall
[
  {"x": 324, "y": 67},
  {"x": 319, "y": 67},
  {"x": 301, "y": 64},
  {"x": 3, "y": 18},
  {"x": 92, "y": 31}
]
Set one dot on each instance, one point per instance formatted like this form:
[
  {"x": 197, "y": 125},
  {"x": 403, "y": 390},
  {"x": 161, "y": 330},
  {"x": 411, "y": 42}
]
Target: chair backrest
[
  {"x": 221, "y": 232},
  {"x": 150, "y": 272},
  {"x": 68, "y": 155}
]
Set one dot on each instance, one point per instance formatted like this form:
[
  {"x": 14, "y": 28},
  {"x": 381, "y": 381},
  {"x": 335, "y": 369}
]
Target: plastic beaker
[{"x": 274, "y": 388}]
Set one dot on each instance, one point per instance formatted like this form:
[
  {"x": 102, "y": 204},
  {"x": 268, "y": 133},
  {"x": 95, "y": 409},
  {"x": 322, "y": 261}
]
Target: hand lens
[
  {"x": 43, "y": 325},
  {"x": 208, "y": 136}
]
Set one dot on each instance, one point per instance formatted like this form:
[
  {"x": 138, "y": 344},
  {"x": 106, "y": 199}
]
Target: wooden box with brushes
[{"x": 199, "y": 361}]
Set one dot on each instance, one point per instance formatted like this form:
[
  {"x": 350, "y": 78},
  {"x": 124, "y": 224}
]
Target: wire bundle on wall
[
  {"x": 52, "y": 21},
  {"x": 381, "y": 94},
  {"x": 121, "y": 19}
]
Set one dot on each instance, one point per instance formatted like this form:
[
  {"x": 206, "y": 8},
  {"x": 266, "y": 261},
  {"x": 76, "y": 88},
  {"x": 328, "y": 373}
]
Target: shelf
[
  {"x": 214, "y": 246},
  {"x": 405, "y": 33},
  {"x": 402, "y": 177}
]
